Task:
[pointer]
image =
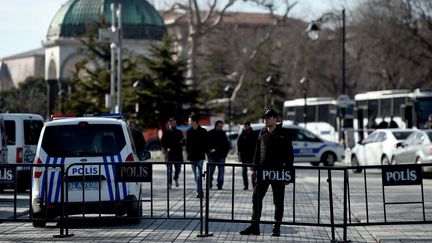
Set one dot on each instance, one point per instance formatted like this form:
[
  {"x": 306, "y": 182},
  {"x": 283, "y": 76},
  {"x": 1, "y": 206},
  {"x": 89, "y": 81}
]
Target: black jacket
[
  {"x": 246, "y": 144},
  {"x": 172, "y": 139},
  {"x": 274, "y": 150},
  {"x": 196, "y": 144},
  {"x": 218, "y": 144}
]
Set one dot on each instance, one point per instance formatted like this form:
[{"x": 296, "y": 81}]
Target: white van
[
  {"x": 89, "y": 148},
  {"x": 22, "y": 135}
]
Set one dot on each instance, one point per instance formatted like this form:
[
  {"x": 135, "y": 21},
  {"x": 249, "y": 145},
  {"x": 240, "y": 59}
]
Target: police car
[
  {"x": 309, "y": 147},
  {"x": 89, "y": 148}
]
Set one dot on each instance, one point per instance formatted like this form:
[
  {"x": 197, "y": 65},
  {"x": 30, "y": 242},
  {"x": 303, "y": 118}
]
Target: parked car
[
  {"x": 378, "y": 147},
  {"x": 91, "y": 188},
  {"x": 416, "y": 149},
  {"x": 22, "y": 133},
  {"x": 309, "y": 147}
]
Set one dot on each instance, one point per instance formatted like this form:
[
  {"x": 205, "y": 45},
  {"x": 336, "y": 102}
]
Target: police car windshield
[{"x": 80, "y": 141}]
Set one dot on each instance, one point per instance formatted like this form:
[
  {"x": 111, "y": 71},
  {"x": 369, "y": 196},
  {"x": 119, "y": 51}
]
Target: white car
[
  {"x": 308, "y": 147},
  {"x": 416, "y": 149},
  {"x": 378, "y": 148},
  {"x": 95, "y": 144}
]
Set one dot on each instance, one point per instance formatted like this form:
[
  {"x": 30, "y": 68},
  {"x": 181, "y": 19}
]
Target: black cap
[{"x": 270, "y": 113}]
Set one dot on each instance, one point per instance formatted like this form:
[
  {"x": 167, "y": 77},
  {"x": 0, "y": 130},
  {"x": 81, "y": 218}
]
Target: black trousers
[{"x": 278, "y": 199}]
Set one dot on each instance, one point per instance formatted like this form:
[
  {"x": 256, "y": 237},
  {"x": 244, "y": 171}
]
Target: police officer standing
[{"x": 273, "y": 152}]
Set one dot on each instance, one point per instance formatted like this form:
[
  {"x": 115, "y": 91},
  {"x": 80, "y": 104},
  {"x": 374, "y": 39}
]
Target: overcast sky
[{"x": 24, "y": 23}]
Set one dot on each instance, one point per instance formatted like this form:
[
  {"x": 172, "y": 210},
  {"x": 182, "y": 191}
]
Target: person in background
[
  {"x": 383, "y": 123},
  {"x": 392, "y": 123},
  {"x": 196, "y": 148},
  {"x": 273, "y": 151},
  {"x": 217, "y": 153},
  {"x": 137, "y": 136},
  {"x": 246, "y": 148},
  {"x": 172, "y": 142},
  {"x": 428, "y": 123}
]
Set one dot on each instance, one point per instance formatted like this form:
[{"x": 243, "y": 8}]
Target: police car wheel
[
  {"x": 38, "y": 222},
  {"x": 328, "y": 159},
  {"x": 354, "y": 162}
]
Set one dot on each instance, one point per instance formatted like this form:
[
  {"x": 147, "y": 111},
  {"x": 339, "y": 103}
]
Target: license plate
[{"x": 78, "y": 185}]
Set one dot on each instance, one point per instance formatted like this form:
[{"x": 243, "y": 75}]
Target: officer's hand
[{"x": 254, "y": 175}]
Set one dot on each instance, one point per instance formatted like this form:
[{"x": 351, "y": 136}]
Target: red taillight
[
  {"x": 37, "y": 174},
  {"x": 429, "y": 149},
  {"x": 19, "y": 155},
  {"x": 130, "y": 158}
]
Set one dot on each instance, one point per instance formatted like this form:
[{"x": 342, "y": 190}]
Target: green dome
[{"x": 140, "y": 19}]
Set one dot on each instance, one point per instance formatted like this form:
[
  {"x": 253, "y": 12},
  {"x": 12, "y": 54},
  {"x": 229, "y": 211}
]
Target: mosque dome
[{"x": 141, "y": 21}]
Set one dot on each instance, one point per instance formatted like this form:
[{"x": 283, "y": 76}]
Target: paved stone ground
[{"x": 182, "y": 223}]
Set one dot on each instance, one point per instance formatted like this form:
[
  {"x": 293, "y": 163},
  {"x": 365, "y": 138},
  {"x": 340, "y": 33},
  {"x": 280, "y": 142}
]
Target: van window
[
  {"x": 83, "y": 140},
  {"x": 10, "y": 132},
  {"x": 32, "y": 129}
]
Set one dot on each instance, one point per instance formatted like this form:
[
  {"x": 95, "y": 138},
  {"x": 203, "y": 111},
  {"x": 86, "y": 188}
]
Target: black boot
[
  {"x": 276, "y": 230},
  {"x": 253, "y": 229}
]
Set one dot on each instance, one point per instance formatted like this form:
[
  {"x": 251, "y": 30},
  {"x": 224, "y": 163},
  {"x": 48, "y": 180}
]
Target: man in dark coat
[
  {"x": 172, "y": 142},
  {"x": 196, "y": 148},
  {"x": 218, "y": 151},
  {"x": 274, "y": 151},
  {"x": 246, "y": 144}
]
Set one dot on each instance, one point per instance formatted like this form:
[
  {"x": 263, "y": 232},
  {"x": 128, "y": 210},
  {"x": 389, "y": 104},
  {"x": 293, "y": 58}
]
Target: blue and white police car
[
  {"x": 89, "y": 148},
  {"x": 309, "y": 147}
]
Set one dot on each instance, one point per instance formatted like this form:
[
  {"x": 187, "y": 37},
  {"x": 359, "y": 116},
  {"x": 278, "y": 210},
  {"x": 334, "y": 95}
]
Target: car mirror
[
  {"x": 144, "y": 155},
  {"x": 399, "y": 145}
]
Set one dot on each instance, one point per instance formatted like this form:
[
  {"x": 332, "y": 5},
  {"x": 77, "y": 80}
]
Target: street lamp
[
  {"x": 228, "y": 92},
  {"x": 313, "y": 31},
  {"x": 304, "y": 83},
  {"x": 270, "y": 80}
]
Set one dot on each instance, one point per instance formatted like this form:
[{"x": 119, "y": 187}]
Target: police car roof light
[{"x": 60, "y": 116}]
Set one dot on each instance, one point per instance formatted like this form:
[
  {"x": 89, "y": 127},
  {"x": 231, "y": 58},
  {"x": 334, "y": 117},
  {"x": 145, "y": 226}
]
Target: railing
[{"x": 319, "y": 196}]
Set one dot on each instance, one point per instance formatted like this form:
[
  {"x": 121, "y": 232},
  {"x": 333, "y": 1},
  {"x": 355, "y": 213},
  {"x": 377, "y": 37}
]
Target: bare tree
[
  {"x": 201, "y": 24},
  {"x": 396, "y": 43}
]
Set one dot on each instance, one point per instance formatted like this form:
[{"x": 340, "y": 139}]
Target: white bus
[
  {"x": 408, "y": 108},
  {"x": 325, "y": 115}
]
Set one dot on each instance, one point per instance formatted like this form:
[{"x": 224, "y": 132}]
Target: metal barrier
[
  {"x": 325, "y": 200},
  {"x": 333, "y": 200},
  {"x": 22, "y": 210}
]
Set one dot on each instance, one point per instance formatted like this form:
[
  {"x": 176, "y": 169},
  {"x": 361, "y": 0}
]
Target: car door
[
  {"x": 374, "y": 148},
  {"x": 366, "y": 157},
  {"x": 304, "y": 143},
  {"x": 402, "y": 156},
  {"x": 415, "y": 146},
  {"x": 360, "y": 149}
]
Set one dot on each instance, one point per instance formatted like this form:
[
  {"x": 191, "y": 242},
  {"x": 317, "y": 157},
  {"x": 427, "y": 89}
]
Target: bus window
[
  {"x": 424, "y": 108},
  {"x": 385, "y": 107},
  {"x": 323, "y": 113},
  {"x": 373, "y": 108},
  {"x": 298, "y": 114},
  {"x": 397, "y": 104},
  {"x": 311, "y": 111}
]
